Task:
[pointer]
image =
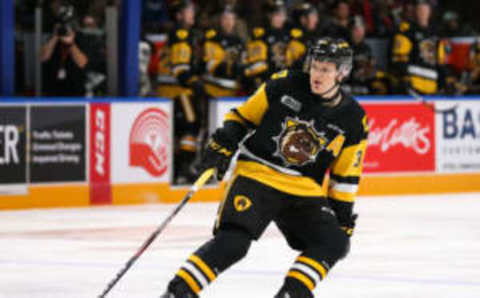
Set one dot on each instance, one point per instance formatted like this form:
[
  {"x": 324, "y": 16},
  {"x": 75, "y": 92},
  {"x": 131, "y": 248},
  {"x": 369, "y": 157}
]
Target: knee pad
[
  {"x": 226, "y": 248},
  {"x": 335, "y": 249}
]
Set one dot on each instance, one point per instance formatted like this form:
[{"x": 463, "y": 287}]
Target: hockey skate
[{"x": 171, "y": 295}]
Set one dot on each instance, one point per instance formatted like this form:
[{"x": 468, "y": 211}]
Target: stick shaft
[{"x": 196, "y": 186}]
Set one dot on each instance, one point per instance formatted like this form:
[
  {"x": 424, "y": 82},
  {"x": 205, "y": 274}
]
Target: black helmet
[
  {"x": 328, "y": 49},
  {"x": 303, "y": 9},
  {"x": 418, "y": 2},
  {"x": 273, "y": 6},
  {"x": 175, "y": 6}
]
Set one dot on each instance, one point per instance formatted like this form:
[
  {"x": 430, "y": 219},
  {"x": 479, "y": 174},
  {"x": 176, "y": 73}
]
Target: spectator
[
  {"x": 144, "y": 56},
  {"x": 65, "y": 57},
  {"x": 96, "y": 72},
  {"x": 384, "y": 23},
  {"x": 452, "y": 28},
  {"x": 154, "y": 15},
  {"x": 339, "y": 26}
]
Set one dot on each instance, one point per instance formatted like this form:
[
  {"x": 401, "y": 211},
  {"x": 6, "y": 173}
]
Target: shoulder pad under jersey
[
  {"x": 296, "y": 33},
  {"x": 182, "y": 34},
  {"x": 404, "y": 26},
  {"x": 210, "y": 34},
  {"x": 279, "y": 75},
  {"x": 258, "y": 32}
]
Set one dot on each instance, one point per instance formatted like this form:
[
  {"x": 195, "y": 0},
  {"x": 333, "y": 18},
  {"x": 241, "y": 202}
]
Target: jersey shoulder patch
[
  {"x": 182, "y": 34},
  {"x": 258, "y": 32},
  {"x": 279, "y": 75},
  {"x": 210, "y": 34},
  {"x": 404, "y": 26},
  {"x": 296, "y": 33}
]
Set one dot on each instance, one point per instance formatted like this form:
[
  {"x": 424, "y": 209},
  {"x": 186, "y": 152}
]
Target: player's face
[
  {"x": 322, "y": 76},
  {"x": 343, "y": 11},
  {"x": 278, "y": 19},
  {"x": 227, "y": 22},
  {"x": 423, "y": 12},
  {"x": 358, "y": 33},
  {"x": 310, "y": 21},
  {"x": 188, "y": 15}
]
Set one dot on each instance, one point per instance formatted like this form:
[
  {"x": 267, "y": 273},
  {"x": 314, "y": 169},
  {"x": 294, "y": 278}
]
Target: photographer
[{"x": 65, "y": 57}]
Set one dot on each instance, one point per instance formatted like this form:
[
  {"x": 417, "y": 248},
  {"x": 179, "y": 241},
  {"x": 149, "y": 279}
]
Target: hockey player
[
  {"x": 365, "y": 78},
  {"x": 266, "y": 48},
  {"x": 418, "y": 54},
  {"x": 303, "y": 32},
  {"x": 182, "y": 85},
  {"x": 301, "y": 125},
  {"x": 223, "y": 53}
]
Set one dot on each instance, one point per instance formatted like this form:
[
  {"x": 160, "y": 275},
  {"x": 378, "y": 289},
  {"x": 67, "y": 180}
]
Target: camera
[{"x": 65, "y": 17}]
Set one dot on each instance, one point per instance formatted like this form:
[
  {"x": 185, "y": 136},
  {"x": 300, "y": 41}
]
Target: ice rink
[{"x": 408, "y": 247}]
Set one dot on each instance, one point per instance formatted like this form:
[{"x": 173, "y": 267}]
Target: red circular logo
[{"x": 149, "y": 141}]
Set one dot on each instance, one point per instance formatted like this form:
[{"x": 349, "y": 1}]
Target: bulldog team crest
[{"x": 298, "y": 143}]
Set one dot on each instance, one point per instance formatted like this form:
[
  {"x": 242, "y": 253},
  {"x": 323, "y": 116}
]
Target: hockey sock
[
  {"x": 215, "y": 256},
  {"x": 306, "y": 272}
]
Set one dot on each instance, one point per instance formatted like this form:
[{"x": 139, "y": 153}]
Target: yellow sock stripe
[
  {"x": 189, "y": 280},
  {"x": 314, "y": 264},
  {"x": 204, "y": 267},
  {"x": 302, "y": 278}
]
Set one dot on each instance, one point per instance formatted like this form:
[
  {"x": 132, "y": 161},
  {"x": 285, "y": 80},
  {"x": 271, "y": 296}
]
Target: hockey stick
[
  {"x": 195, "y": 187},
  {"x": 430, "y": 105}
]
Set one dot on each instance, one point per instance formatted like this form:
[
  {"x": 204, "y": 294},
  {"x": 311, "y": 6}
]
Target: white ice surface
[{"x": 408, "y": 247}]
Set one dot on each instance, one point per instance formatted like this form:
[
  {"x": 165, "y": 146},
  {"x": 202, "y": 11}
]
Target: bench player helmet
[
  {"x": 273, "y": 6},
  {"x": 333, "y": 50},
  {"x": 175, "y": 6}
]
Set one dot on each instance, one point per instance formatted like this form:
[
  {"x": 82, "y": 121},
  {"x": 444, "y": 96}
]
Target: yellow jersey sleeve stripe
[
  {"x": 189, "y": 280},
  {"x": 341, "y": 196},
  {"x": 255, "y": 107},
  {"x": 302, "y": 278},
  {"x": 204, "y": 267},
  {"x": 312, "y": 263},
  {"x": 350, "y": 161}
]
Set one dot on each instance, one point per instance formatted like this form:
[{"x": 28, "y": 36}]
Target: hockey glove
[
  {"x": 218, "y": 154},
  {"x": 343, "y": 211}
]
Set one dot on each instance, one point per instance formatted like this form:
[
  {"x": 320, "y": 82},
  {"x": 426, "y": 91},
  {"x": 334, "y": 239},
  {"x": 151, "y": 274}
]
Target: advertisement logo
[
  {"x": 100, "y": 188},
  {"x": 458, "y": 135},
  {"x": 13, "y": 146},
  {"x": 149, "y": 141},
  {"x": 9, "y": 139},
  {"x": 401, "y": 138},
  {"x": 409, "y": 134},
  {"x": 57, "y": 143},
  {"x": 462, "y": 124}
]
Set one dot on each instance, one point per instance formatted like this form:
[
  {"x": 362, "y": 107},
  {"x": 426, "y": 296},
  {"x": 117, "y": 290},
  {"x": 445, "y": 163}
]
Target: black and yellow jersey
[
  {"x": 365, "y": 78},
  {"x": 266, "y": 52},
  {"x": 417, "y": 57},
  {"x": 296, "y": 140},
  {"x": 223, "y": 57},
  {"x": 177, "y": 67},
  {"x": 299, "y": 41}
]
